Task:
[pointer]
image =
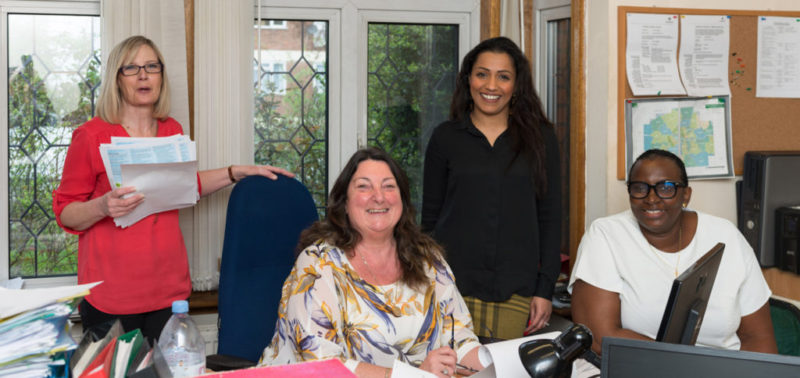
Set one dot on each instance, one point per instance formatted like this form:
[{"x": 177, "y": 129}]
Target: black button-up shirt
[{"x": 499, "y": 238}]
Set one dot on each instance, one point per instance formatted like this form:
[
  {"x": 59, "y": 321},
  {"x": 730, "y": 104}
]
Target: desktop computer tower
[
  {"x": 787, "y": 234},
  {"x": 771, "y": 180}
]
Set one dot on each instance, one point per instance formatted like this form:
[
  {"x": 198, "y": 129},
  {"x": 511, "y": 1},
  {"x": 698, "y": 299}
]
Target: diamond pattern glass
[
  {"x": 53, "y": 80},
  {"x": 291, "y": 111},
  {"x": 411, "y": 78}
]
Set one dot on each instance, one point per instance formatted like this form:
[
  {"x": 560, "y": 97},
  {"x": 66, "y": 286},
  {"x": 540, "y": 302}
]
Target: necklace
[
  {"x": 678, "y": 252},
  {"x": 369, "y": 268},
  {"x": 371, "y": 273},
  {"x": 153, "y": 126}
]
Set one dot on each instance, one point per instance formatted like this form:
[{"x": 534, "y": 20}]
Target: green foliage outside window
[
  {"x": 411, "y": 78},
  {"x": 38, "y": 138}
]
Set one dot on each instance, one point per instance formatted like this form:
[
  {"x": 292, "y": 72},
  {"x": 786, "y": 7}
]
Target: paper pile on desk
[
  {"x": 163, "y": 169},
  {"x": 34, "y": 329},
  {"x": 502, "y": 360}
]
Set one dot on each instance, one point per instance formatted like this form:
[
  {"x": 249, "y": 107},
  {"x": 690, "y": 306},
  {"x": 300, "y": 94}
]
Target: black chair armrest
[{"x": 222, "y": 362}]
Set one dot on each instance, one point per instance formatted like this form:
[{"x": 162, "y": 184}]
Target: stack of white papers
[
  {"x": 34, "y": 329},
  {"x": 163, "y": 169}
]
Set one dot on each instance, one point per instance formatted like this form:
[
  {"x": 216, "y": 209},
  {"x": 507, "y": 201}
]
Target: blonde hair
[{"x": 109, "y": 104}]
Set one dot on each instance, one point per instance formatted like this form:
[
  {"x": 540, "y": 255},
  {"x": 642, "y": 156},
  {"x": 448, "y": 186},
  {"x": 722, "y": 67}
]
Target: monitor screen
[
  {"x": 688, "y": 299},
  {"x": 626, "y": 358}
]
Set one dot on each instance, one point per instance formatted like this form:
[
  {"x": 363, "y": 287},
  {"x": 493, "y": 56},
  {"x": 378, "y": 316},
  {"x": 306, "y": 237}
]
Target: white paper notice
[
  {"x": 703, "y": 60},
  {"x": 166, "y": 186},
  {"x": 651, "y": 54},
  {"x": 778, "y": 73}
]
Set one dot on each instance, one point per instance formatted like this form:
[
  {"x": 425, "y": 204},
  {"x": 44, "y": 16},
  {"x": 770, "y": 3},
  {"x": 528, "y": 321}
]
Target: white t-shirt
[{"x": 614, "y": 255}]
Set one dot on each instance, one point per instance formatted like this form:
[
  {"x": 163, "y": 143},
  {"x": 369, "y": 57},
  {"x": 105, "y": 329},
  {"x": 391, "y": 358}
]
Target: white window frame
[
  {"x": 67, "y": 7},
  {"x": 544, "y": 60},
  {"x": 271, "y": 24},
  {"x": 347, "y": 114}
]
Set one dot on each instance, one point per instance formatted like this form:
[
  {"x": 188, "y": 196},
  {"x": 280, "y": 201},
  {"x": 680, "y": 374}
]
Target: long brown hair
[
  {"x": 414, "y": 248},
  {"x": 525, "y": 117}
]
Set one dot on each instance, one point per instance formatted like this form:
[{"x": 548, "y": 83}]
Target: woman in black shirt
[{"x": 492, "y": 192}]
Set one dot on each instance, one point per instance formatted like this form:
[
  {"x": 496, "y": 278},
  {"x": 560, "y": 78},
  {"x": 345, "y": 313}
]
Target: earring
[{"x": 684, "y": 205}]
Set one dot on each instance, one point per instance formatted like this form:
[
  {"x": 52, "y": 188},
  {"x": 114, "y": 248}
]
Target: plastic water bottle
[{"x": 181, "y": 343}]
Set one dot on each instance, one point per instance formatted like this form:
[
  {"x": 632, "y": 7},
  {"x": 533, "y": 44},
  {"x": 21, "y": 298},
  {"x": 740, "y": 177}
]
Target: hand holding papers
[{"x": 164, "y": 170}]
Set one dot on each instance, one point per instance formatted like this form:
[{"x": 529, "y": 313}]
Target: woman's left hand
[
  {"x": 540, "y": 313},
  {"x": 215, "y": 179},
  {"x": 268, "y": 171}
]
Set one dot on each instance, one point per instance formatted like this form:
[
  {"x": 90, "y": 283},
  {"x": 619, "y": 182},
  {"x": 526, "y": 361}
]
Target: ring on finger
[{"x": 445, "y": 371}]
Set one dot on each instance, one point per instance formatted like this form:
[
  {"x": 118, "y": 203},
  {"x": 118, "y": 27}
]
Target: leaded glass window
[
  {"x": 53, "y": 80},
  {"x": 291, "y": 107},
  {"x": 411, "y": 77}
]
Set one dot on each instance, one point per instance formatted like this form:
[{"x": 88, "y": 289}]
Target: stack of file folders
[
  {"x": 118, "y": 354},
  {"x": 34, "y": 332}
]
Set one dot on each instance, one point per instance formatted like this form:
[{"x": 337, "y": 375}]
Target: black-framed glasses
[
  {"x": 132, "y": 69},
  {"x": 665, "y": 189}
]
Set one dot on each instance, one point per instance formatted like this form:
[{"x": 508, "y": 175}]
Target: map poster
[{"x": 697, "y": 129}]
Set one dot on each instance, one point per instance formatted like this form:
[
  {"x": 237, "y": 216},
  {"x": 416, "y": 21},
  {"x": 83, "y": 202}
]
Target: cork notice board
[{"x": 756, "y": 123}]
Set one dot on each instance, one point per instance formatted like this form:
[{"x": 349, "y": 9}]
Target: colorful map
[
  {"x": 695, "y": 129},
  {"x": 682, "y": 132}
]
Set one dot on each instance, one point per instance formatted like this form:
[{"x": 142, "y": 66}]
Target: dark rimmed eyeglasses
[
  {"x": 665, "y": 189},
  {"x": 132, "y": 69}
]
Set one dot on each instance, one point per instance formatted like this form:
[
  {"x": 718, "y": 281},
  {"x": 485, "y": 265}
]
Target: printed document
[
  {"x": 703, "y": 60},
  {"x": 651, "y": 54},
  {"x": 163, "y": 169},
  {"x": 778, "y": 73}
]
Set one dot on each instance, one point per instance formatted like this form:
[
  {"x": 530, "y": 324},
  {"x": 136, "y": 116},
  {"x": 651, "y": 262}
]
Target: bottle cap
[{"x": 180, "y": 307}]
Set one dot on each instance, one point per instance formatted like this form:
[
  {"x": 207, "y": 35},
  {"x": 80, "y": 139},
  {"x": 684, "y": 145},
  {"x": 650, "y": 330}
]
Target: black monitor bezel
[
  {"x": 687, "y": 302},
  {"x": 666, "y": 360}
]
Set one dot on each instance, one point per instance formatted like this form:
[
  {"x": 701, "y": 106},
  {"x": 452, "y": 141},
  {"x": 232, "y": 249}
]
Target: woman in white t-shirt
[{"x": 626, "y": 264}]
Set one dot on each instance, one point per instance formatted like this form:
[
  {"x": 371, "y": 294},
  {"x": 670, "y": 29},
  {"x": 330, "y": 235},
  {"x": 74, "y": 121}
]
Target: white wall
[{"x": 604, "y": 193}]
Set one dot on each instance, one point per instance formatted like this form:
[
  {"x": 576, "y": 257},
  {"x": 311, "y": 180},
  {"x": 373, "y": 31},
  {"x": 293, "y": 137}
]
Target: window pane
[
  {"x": 411, "y": 78},
  {"x": 53, "y": 78},
  {"x": 291, "y": 108}
]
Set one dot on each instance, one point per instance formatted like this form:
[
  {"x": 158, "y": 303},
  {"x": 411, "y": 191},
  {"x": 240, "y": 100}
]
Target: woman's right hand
[
  {"x": 441, "y": 362},
  {"x": 113, "y": 205}
]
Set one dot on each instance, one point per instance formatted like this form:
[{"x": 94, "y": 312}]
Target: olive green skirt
[{"x": 500, "y": 320}]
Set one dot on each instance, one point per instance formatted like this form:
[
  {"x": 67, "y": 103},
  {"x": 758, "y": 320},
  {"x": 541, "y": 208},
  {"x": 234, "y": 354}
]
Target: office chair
[
  {"x": 263, "y": 224},
  {"x": 786, "y": 323}
]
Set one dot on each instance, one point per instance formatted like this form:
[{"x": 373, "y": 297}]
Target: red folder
[{"x": 101, "y": 365}]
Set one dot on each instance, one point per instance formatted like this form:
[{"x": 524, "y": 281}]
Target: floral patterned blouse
[{"x": 328, "y": 311}]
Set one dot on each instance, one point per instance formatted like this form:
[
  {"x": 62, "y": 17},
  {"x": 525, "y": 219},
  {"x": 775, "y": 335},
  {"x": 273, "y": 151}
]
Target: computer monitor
[
  {"x": 688, "y": 299},
  {"x": 627, "y": 358}
]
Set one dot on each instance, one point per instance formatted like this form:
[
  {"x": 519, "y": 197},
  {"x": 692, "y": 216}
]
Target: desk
[{"x": 783, "y": 283}]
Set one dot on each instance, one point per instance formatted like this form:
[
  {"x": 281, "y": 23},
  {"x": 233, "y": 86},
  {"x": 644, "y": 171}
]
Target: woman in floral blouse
[{"x": 370, "y": 288}]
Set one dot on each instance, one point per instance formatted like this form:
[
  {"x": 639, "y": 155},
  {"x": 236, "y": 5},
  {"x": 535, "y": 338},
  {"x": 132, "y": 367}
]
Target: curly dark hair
[
  {"x": 525, "y": 117},
  {"x": 414, "y": 248}
]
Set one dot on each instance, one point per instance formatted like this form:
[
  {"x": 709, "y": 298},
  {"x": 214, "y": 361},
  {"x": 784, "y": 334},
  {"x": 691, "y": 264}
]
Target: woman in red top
[{"x": 144, "y": 267}]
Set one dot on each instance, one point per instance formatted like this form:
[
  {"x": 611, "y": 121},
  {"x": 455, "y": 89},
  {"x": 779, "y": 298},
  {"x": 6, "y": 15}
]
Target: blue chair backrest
[{"x": 264, "y": 221}]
